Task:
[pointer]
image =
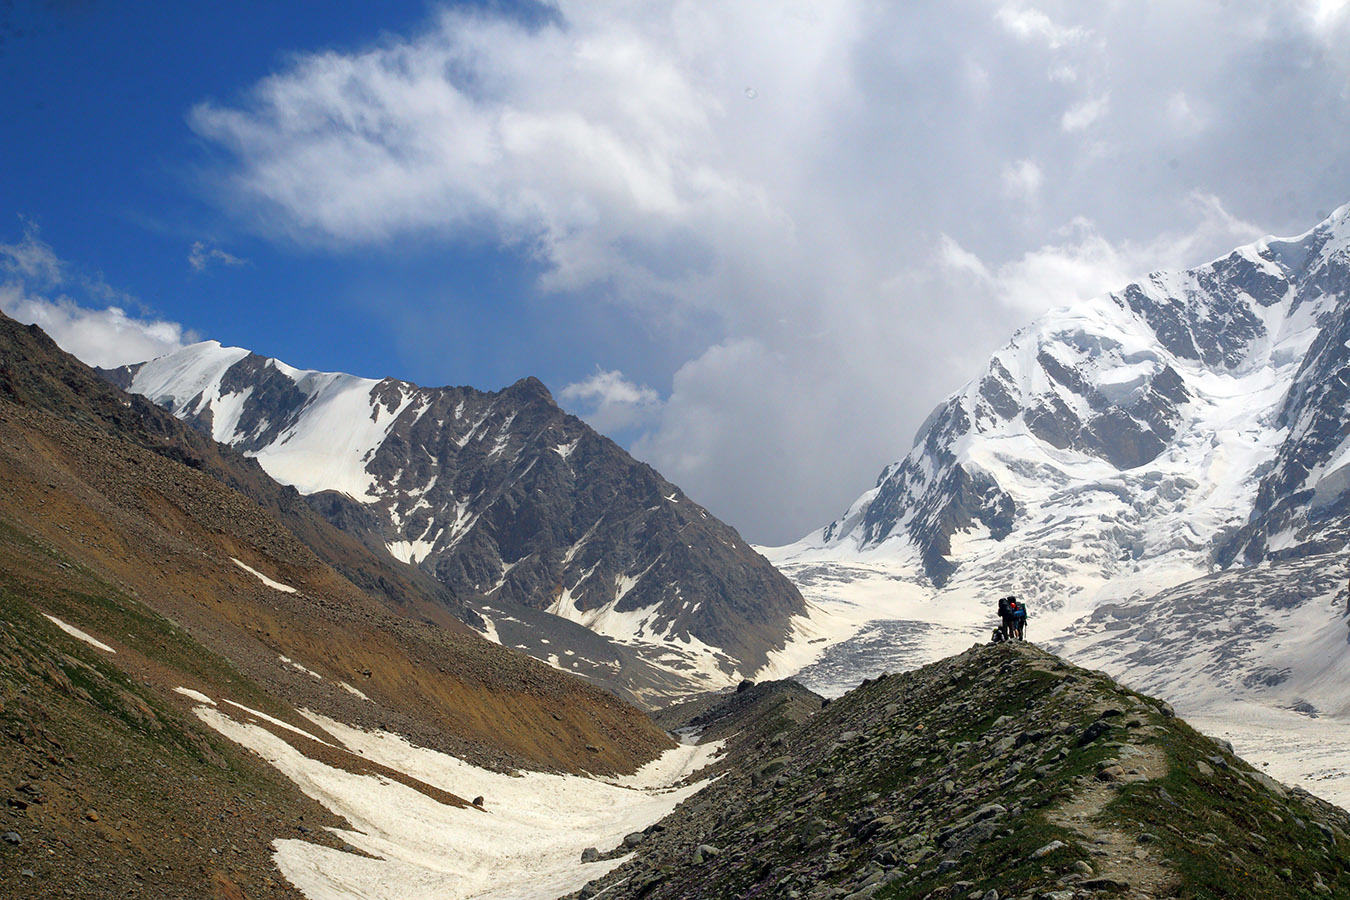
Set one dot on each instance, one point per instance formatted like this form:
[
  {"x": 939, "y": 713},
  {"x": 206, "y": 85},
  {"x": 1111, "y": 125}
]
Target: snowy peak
[
  {"x": 1136, "y": 432},
  {"x": 549, "y": 530}
]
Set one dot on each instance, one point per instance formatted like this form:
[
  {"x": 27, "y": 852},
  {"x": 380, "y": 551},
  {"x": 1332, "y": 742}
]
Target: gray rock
[
  {"x": 1105, "y": 884},
  {"x": 590, "y": 854},
  {"x": 634, "y": 838},
  {"x": 772, "y": 767},
  {"x": 705, "y": 852},
  {"x": 11, "y": 837},
  {"x": 1092, "y": 732},
  {"x": 874, "y": 826},
  {"x": 1269, "y": 783},
  {"x": 988, "y": 811},
  {"x": 867, "y": 893},
  {"x": 1048, "y": 849}
]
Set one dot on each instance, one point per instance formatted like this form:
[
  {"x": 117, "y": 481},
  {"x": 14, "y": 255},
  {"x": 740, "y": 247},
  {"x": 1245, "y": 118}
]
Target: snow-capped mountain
[
  {"x": 1124, "y": 461},
  {"x": 548, "y": 530},
  {"x": 1143, "y": 435}
]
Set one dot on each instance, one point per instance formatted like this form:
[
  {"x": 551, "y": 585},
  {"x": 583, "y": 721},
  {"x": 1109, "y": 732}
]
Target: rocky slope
[
  {"x": 523, "y": 512},
  {"x": 129, "y": 569},
  {"x": 1002, "y": 772}
]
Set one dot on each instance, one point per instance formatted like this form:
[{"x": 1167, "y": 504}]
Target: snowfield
[{"x": 524, "y": 844}]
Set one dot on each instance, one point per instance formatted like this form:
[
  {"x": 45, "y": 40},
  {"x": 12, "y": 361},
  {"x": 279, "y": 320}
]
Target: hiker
[
  {"x": 1005, "y": 617},
  {"x": 1018, "y": 619}
]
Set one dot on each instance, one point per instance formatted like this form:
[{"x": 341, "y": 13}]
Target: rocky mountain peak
[
  {"x": 1191, "y": 417},
  {"x": 530, "y": 390},
  {"x": 558, "y": 540}
]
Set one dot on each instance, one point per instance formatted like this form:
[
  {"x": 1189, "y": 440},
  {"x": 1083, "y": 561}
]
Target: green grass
[{"x": 1232, "y": 808}]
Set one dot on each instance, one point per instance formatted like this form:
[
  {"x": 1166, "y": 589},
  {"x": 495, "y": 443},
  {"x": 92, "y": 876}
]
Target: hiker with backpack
[
  {"x": 1004, "y": 630},
  {"x": 1012, "y": 614},
  {"x": 1018, "y": 609}
]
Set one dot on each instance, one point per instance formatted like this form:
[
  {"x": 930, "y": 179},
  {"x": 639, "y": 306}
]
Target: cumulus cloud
[
  {"x": 812, "y": 268},
  {"x": 1081, "y": 115},
  {"x": 1081, "y": 263},
  {"x": 1030, "y": 24},
  {"x": 203, "y": 254},
  {"x": 610, "y": 402},
  {"x": 39, "y": 288}
]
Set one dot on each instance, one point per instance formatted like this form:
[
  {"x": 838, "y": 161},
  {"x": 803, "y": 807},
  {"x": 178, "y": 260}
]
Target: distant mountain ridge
[
  {"x": 1163, "y": 472},
  {"x": 517, "y": 507},
  {"x": 1190, "y": 419}
]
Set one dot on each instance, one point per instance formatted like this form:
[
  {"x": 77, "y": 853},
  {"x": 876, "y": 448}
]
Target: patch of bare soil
[{"x": 1119, "y": 857}]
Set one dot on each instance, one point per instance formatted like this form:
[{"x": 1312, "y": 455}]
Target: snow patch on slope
[
  {"x": 275, "y": 585},
  {"x": 525, "y": 843},
  {"x": 78, "y": 634}
]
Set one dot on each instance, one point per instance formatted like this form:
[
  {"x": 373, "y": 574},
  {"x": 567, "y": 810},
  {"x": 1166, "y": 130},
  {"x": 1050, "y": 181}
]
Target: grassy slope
[
  {"x": 114, "y": 788},
  {"x": 944, "y": 781},
  {"x": 124, "y": 488}
]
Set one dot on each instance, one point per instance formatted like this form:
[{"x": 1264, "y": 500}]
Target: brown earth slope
[{"x": 118, "y": 521}]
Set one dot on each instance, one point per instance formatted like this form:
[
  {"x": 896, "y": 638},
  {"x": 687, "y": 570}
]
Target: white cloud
[
  {"x": 780, "y": 261},
  {"x": 1328, "y": 15},
  {"x": 203, "y": 254},
  {"x": 610, "y": 402},
  {"x": 1063, "y": 74},
  {"x": 1081, "y": 115},
  {"x": 1028, "y": 24},
  {"x": 954, "y": 257},
  {"x": 36, "y": 287},
  {"x": 31, "y": 259},
  {"x": 1082, "y": 263},
  {"x": 1022, "y": 180},
  {"x": 1185, "y": 118}
]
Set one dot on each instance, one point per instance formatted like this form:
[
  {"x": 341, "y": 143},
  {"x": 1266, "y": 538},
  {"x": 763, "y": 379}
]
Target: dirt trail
[{"x": 1116, "y": 855}]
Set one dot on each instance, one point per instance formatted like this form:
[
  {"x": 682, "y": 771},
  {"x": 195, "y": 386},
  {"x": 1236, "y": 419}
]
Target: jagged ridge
[
  {"x": 1193, "y": 418},
  {"x": 505, "y": 499}
]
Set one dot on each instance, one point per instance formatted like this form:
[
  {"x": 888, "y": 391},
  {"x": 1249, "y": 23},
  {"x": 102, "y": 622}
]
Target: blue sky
[
  {"x": 755, "y": 242},
  {"x": 101, "y": 160}
]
